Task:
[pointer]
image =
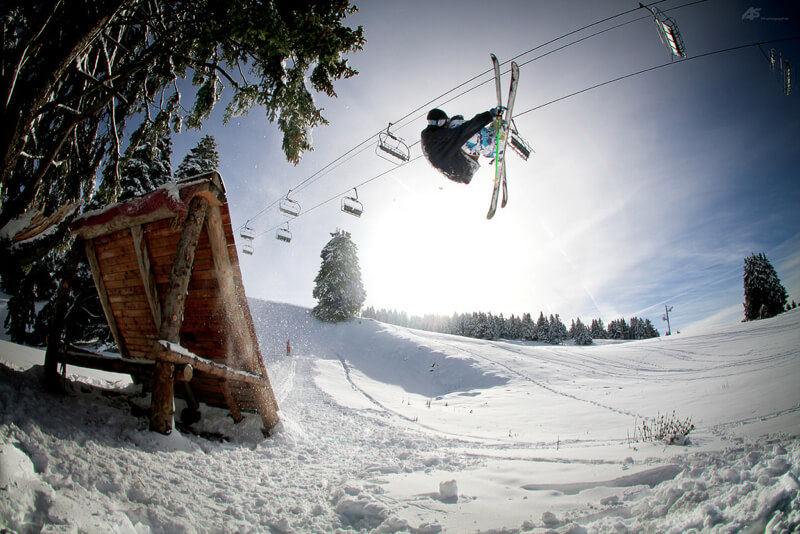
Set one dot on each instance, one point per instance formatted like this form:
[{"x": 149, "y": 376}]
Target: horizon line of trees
[{"x": 550, "y": 329}]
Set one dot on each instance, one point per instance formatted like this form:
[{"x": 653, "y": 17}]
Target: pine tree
[
  {"x": 764, "y": 295},
  {"x": 338, "y": 288},
  {"x": 201, "y": 159},
  {"x": 542, "y": 329},
  {"x": 148, "y": 169},
  {"x": 581, "y": 333},
  {"x": 528, "y": 328},
  {"x": 598, "y": 329}
]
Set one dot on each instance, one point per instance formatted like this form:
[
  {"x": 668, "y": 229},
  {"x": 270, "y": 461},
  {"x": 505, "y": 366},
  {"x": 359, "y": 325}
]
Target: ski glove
[{"x": 498, "y": 111}]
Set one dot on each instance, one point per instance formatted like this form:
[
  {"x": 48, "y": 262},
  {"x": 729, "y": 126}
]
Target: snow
[{"x": 388, "y": 429}]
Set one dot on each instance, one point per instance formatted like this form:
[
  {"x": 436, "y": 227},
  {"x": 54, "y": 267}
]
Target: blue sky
[{"x": 644, "y": 192}]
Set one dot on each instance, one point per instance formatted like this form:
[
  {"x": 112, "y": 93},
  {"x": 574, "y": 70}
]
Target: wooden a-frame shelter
[{"x": 167, "y": 273}]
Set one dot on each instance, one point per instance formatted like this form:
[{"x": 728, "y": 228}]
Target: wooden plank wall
[{"x": 128, "y": 279}]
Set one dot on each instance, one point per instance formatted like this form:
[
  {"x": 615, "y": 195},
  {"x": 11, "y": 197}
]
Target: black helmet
[{"x": 436, "y": 114}]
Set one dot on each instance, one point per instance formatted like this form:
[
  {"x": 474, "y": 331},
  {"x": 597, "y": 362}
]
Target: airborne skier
[{"x": 453, "y": 146}]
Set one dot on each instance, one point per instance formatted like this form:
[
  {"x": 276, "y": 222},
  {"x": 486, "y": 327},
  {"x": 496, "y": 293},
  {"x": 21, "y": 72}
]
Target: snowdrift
[{"x": 396, "y": 430}]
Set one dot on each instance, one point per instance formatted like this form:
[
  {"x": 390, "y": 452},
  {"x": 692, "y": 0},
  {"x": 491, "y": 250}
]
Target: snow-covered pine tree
[
  {"x": 338, "y": 288},
  {"x": 617, "y": 329},
  {"x": 650, "y": 330},
  {"x": 764, "y": 295},
  {"x": 542, "y": 329},
  {"x": 557, "y": 331},
  {"x": 598, "y": 329},
  {"x": 148, "y": 169},
  {"x": 581, "y": 334},
  {"x": 528, "y": 328},
  {"x": 201, "y": 159}
]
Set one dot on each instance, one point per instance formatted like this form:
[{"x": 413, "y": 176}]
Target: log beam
[
  {"x": 112, "y": 364},
  {"x": 207, "y": 366},
  {"x": 162, "y": 407},
  {"x": 148, "y": 279},
  {"x": 91, "y": 257}
]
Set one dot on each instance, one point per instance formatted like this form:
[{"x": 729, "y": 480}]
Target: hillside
[{"x": 400, "y": 430}]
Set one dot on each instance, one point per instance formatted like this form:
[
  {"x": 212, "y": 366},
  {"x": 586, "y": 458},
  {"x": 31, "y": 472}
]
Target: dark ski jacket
[{"x": 442, "y": 146}]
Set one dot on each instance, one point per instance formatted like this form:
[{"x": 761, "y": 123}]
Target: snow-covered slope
[{"x": 390, "y": 429}]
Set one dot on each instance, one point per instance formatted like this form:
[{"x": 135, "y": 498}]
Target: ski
[
  {"x": 497, "y": 124},
  {"x": 512, "y": 96},
  {"x": 502, "y": 125}
]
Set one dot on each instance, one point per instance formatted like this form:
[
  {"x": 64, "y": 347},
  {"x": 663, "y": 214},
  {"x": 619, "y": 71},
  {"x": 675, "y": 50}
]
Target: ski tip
[{"x": 492, "y": 55}]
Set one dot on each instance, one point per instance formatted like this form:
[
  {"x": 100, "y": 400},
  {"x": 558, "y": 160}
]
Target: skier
[
  {"x": 288, "y": 347},
  {"x": 453, "y": 146}
]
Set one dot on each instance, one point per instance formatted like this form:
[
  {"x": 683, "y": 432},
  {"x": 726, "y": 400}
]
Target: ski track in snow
[{"x": 348, "y": 456}]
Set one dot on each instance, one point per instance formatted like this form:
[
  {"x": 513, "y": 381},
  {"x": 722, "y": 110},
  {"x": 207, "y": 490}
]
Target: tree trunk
[{"x": 60, "y": 307}]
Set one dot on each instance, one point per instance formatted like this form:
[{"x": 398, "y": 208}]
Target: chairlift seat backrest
[
  {"x": 248, "y": 249},
  {"x": 289, "y": 207},
  {"x": 247, "y": 233},
  {"x": 352, "y": 206},
  {"x": 394, "y": 145},
  {"x": 283, "y": 234}
]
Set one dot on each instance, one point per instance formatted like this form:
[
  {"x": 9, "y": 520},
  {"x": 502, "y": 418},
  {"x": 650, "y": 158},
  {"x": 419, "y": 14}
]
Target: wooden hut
[{"x": 167, "y": 272}]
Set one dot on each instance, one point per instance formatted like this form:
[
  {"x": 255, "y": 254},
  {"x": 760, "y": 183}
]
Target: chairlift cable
[
  {"x": 330, "y": 166},
  {"x": 339, "y": 195},
  {"x": 608, "y": 82},
  {"x": 363, "y": 145},
  {"x": 656, "y": 67}
]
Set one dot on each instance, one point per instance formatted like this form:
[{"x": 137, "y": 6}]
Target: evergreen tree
[
  {"x": 557, "y": 331},
  {"x": 598, "y": 329},
  {"x": 338, "y": 288},
  {"x": 58, "y": 132},
  {"x": 764, "y": 295},
  {"x": 581, "y": 334},
  {"x": 542, "y": 329},
  {"x": 148, "y": 169},
  {"x": 528, "y": 328},
  {"x": 617, "y": 329},
  {"x": 650, "y": 330},
  {"x": 201, "y": 159}
]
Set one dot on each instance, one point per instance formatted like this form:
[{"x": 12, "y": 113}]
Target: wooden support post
[
  {"x": 149, "y": 281},
  {"x": 54, "y": 340},
  {"x": 91, "y": 257},
  {"x": 162, "y": 404}
]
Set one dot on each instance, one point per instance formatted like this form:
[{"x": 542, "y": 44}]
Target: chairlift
[
  {"x": 352, "y": 205},
  {"x": 520, "y": 145},
  {"x": 782, "y": 66},
  {"x": 247, "y": 234},
  {"x": 392, "y": 145},
  {"x": 283, "y": 234},
  {"x": 667, "y": 31},
  {"x": 289, "y": 206},
  {"x": 787, "y": 77}
]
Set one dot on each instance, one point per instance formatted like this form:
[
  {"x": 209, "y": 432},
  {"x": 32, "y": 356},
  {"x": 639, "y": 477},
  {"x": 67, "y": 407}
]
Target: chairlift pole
[{"x": 667, "y": 309}]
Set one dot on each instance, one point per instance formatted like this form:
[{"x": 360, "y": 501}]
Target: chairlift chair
[
  {"x": 289, "y": 206},
  {"x": 247, "y": 232},
  {"x": 393, "y": 145},
  {"x": 520, "y": 145},
  {"x": 667, "y": 31},
  {"x": 283, "y": 234},
  {"x": 787, "y": 77},
  {"x": 352, "y": 205}
]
